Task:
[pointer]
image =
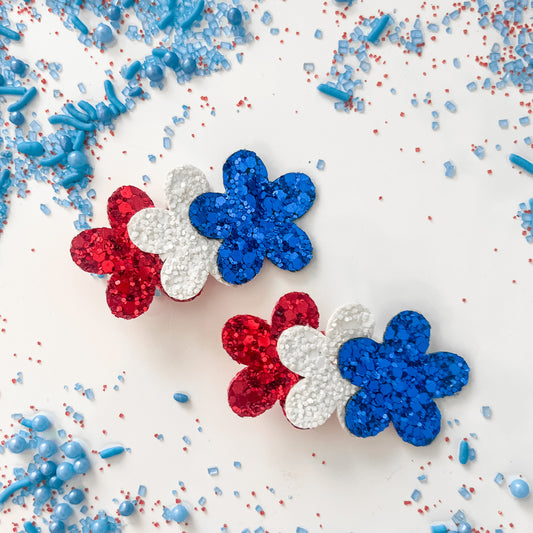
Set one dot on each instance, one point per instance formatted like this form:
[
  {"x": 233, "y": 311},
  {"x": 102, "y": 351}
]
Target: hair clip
[
  {"x": 227, "y": 235},
  {"x": 369, "y": 384}
]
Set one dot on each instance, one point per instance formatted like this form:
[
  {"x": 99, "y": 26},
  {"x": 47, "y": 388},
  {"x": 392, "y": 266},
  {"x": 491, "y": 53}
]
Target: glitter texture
[
  {"x": 134, "y": 274},
  {"x": 314, "y": 356},
  {"x": 399, "y": 380},
  {"x": 251, "y": 341},
  {"x": 188, "y": 257},
  {"x": 254, "y": 219}
]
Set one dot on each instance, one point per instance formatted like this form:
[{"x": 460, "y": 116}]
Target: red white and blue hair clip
[
  {"x": 226, "y": 235},
  {"x": 313, "y": 374}
]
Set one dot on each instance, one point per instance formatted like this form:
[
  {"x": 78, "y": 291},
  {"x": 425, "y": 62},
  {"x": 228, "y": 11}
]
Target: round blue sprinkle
[
  {"x": 17, "y": 118},
  {"x": 234, "y": 16},
  {"x": 81, "y": 465},
  {"x": 62, "y": 511},
  {"x": 40, "y": 423},
  {"x": 65, "y": 471},
  {"x": 56, "y": 526},
  {"x": 77, "y": 159},
  {"x": 72, "y": 450},
  {"x": 464, "y": 527},
  {"x": 16, "y": 444},
  {"x": 154, "y": 72},
  {"x": 181, "y": 397},
  {"x": 17, "y": 66},
  {"x": 47, "y": 448},
  {"x": 42, "y": 494},
  {"x": 171, "y": 60},
  {"x": 48, "y": 469},
  {"x": 113, "y": 13},
  {"x": 100, "y": 526},
  {"x": 103, "y": 33},
  {"x": 126, "y": 508},
  {"x": 36, "y": 476},
  {"x": 75, "y": 496},
  {"x": 519, "y": 488},
  {"x": 189, "y": 65},
  {"x": 179, "y": 513},
  {"x": 55, "y": 483}
]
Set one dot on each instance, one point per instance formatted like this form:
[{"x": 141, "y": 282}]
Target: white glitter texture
[
  {"x": 314, "y": 356},
  {"x": 188, "y": 257}
]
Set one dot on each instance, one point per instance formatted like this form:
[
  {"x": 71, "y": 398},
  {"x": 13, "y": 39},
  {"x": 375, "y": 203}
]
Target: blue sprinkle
[
  {"x": 320, "y": 164},
  {"x": 456, "y": 62},
  {"x": 499, "y": 479},
  {"x": 82, "y": 88},
  {"x": 465, "y": 493},
  {"x": 212, "y": 471},
  {"x": 318, "y": 34},
  {"x": 450, "y": 106},
  {"x": 486, "y": 411},
  {"x": 378, "y": 28},
  {"x": 141, "y": 491},
  {"x": 422, "y": 478},
  {"x": 415, "y": 496},
  {"x": 464, "y": 452},
  {"x": 89, "y": 394},
  {"x": 111, "y": 452},
  {"x": 274, "y": 31},
  {"x": 472, "y": 86},
  {"x": 237, "y": 464},
  {"x": 479, "y": 152},
  {"x": 521, "y": 162},
  {"x": 202, "y": 501},
  {"x": 524, "y": 121},
  {"x": 334, "y": 92},
  {"x": 503, "y": 123},
  {"x": 449, "y": 169},
  {"x": 186, "y": 440},
  {"x": 166, "y": 143},
  {"x": 217, "y": 491},
  {"x": 266, "y": 18},
  {"x": 309, "y": 67},
  {"x": 181, "y": 397},
  {"x": 45, "y": 209}
]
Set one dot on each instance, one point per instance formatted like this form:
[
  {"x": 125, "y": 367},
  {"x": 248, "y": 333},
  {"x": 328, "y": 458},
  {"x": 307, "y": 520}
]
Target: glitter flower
[
  {"x": 255, "y": 218},
  {"x": 399, "y": 380},
  {"x": 252, "y": 341},
  {"x": 134, "y": 274},
  {"x": 188, "y": 257},
  {"x": 310, "y": 353}
]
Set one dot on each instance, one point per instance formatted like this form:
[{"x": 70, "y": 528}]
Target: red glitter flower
[
  {"x": 252, "y": 341},
  {"x": 134, "y": 274}
]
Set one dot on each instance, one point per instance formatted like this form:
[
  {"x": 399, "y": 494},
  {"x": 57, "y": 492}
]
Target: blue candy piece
[
  {"x": 78, "y": 160},
  {"x": 31, "y": 148},
  {"x": 99, "y": 526},
  {"x": 17, "y": 66},
  {"x": 75, "y": 496},
  {"x": 16, "y": 444},
  {"x": 42, "y": 494},
  {"x": 189, "y": 65},
  {"x": 464, "y": 452},
  {"x": 62, "y": 511},
  {"x": 65, "y": 142},
  {"x": 36, "y": 477},
  {"x": 179, "y": 513},
  {"x": 17, "y": 118},
  {"x": 126, "y": 508},
  {"x": 81, "y": 465},
  {"x": 255, "y": 218},
  {"x": 40, "y": 423},
  {"x": 48, "y": 468},
  {"x": 103, "y": 33},
  {"x": 113, "y": 13},
  {"x": 72, "y": 449},
  {"x": 519, "y": 488},
  {"x": 171, "y": 60},
  {"x": 56, "y": 526},
  {"x": 398, "y": 381},
  {"x": 464, "y": 527},
  {"x": 111, "y": 452},
  {"x": 47, "y": 448},
  {"x": 154, "y": 72},
  {"x": 234, "y": 16},
  {"x": 103, "y": 113},
  {"x": 55, "y": 483},
  {"x": 181, "y": 397},
  {"x": 65, "y": 471}
]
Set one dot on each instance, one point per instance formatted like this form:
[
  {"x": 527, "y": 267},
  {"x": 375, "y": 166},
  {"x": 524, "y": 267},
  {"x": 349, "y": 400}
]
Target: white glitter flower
[
  {"x": 188, "y": 256},
  {"x": 313, "y": 355}
]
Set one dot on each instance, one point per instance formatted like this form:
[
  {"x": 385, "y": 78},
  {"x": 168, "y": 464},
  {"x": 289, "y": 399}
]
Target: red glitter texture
[
  {"x": 134, "y": 273},
  {"x": 251, "y": 341}
]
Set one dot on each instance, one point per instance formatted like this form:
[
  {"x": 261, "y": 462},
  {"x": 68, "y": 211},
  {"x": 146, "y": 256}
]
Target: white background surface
[{"x": 385, "y": 254}]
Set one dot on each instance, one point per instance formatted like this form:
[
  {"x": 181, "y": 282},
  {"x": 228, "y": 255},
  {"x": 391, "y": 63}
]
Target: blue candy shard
[
  {"x": 399, "y": 381},
  {"x": 254, "y": 219}
]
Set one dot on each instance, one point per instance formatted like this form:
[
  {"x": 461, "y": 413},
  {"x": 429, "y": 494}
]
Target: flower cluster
[
  {"x": 201, "y": 233},
  {"x": 313, "y": 373}
]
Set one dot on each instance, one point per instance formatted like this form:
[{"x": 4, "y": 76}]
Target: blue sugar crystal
[
  {"x": 486, "y": 411},
  {"x": 202, "y": 501},
  {"x": 217, "y": 491},
  {"x": 458, "y": 517},
  {"x": 45, "y": 209},
  {"x": 415, "y": 495},
  {"x": 422, "y": 478},
  {"x": 266, "y": 18},
  {"x": 449, "y": 169},
  {"x": 503, "y": 123},
  {"x": 456, "y": 62},
  {"x": 479, "y": 152},
  {"x": 499, "y": 478},
  {"x": 237, "y": 464},
  {"x": 186, "y": 440},
  {"x": 465, "y": 493},
  {"x": 320, "y": 164},
  {"x": 309, "y": 67},
  {"x": 318, "y": 34},
  {"x": 524, "y": 121},
  {"x": 141, "y": 491},
  {"x": 212, "y": 471},
  {"x": 450, "y": 106},
  {"x": 89, "y": 394},
  {"x": 472, "y": 86}
]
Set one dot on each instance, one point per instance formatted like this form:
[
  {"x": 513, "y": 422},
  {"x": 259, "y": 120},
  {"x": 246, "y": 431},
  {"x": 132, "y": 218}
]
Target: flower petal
[
  {"x": 149, "y": 229},
  {"x": 124, "y": 203},
  {"x": 446, "y": 373},
  {"x": 296, "y": 193},
  {"x": 183, "y": 185},
  {"x": 417, "y": 422},
  {"x": 408, "y": 335},
  {"x": 348, "y": 322},
  {"x": 309, "y": 404},
  {"x": 363, "y": 417},
  {"x": 183, "y": 277},
  {"x": 294, "y": 309},
  {"x": 248, "y": 341},
  {"x": 357, "y": 360},
  {"x": 244, "y": 172},
  {"x": 208, "y": 214},
  {"x": 289, "y": 248},
  {"x": 239, "y": 260},
  {"x": 301, "y": 348},
  {"x": 129, "y": 295},
  {"x": 94, "y": 250},
  {"x": 249, "y": 395}
]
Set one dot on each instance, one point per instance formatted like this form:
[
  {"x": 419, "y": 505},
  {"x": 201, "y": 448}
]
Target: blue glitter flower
[
  {"x": 399, "y": 380},
  {"x": 255, "y": 218}
]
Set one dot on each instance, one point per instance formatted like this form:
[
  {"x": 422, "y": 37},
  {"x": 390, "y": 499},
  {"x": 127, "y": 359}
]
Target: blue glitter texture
[
  {"x": 254, "y": 219},
  {"x": 399, "y": 380}
]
